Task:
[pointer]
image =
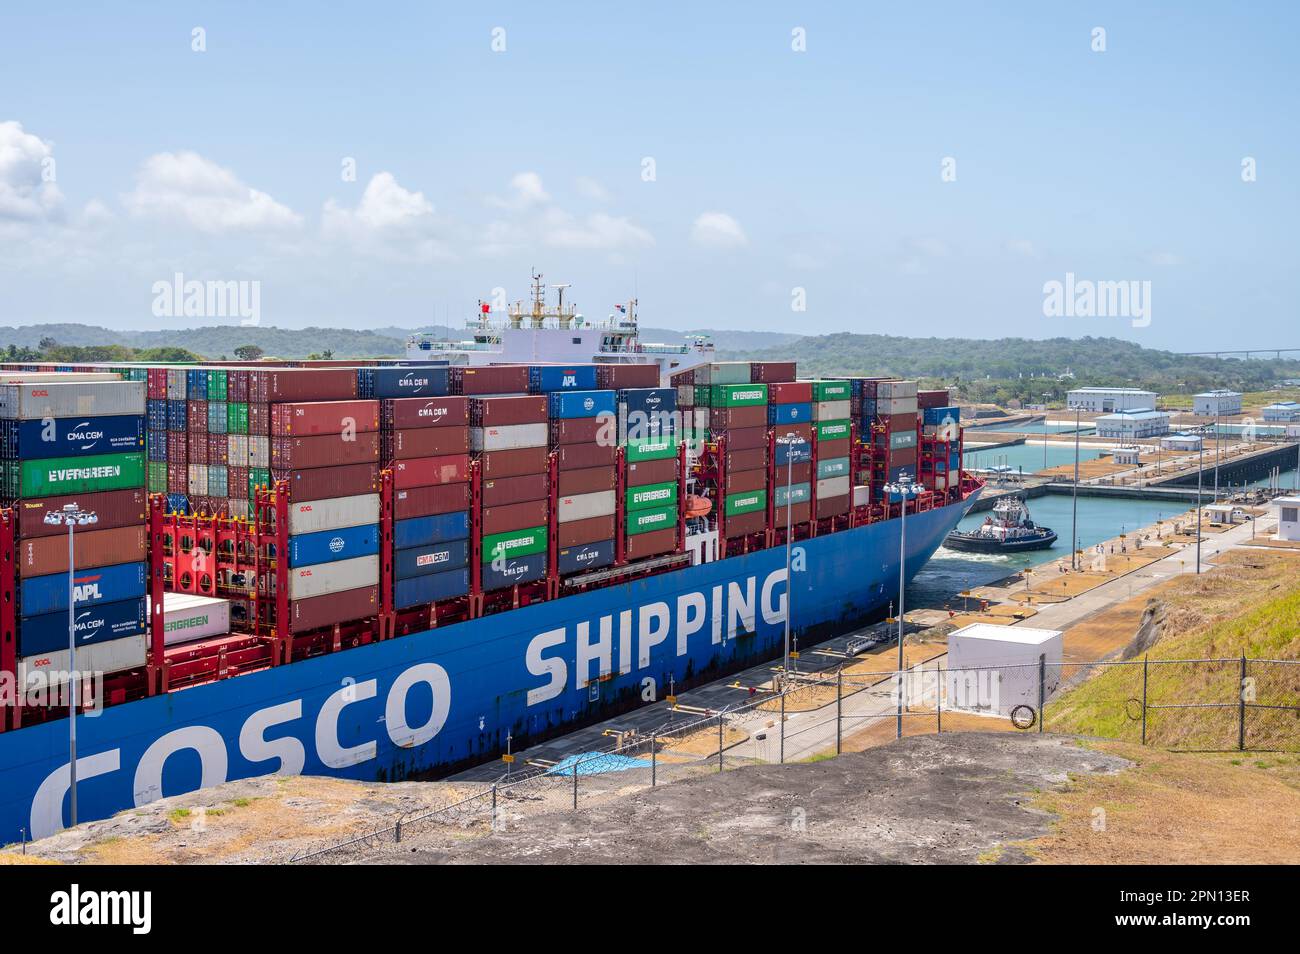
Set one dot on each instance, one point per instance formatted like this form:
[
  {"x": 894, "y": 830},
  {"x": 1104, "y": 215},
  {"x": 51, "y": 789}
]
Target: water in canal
[{"x": 1028, "y": 458}]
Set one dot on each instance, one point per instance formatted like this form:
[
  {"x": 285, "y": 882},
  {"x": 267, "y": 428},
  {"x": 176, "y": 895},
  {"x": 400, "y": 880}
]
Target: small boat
[{"x": 1007, "y": 529}]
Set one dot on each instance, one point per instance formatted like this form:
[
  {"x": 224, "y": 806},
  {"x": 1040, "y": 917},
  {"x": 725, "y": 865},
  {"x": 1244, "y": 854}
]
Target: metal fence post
[
  {"x": 938, "y": 701},
  {"x": 654, "y": 758},
  {"x": 839, "y": 712},
  {"x": 783, "y": 725},
  {"x": 1241, "y": 707},
  {"x": 1042, "y": 689},
  {"x": 719, "y": 741},
  {"x": 494, "y": 807},
  {"x": 1146, "y": 662},
  {"x": 397, "y": 832},
  {"x": 575, "y": 786}
]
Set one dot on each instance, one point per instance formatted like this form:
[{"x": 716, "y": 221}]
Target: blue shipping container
[
  {"x": 178, "y": 503},
  {"x": 176, "y": 415},
  {"x": 647, "y": 400},
  {"x": 382, "y": 383},
  {"x": 789, "y": 413},
  {"x": 434, "y": 558},
  {"x": 569, "y": 404},
  {"x": 439, "y": 528},
  {"x": 545, "y": 378},
  {"x": 588, "y": 556},
  {"x": 793, "y": 453},
  {"x": 94, "y": 624},
  {"x": 430, "y": 588},
  {"x": 326, "y": 546},
  {"x": 104, "y": 584},
  {"x": 157, "y": 446},
  {"x": 942, "y": 415},
  {"x": 71, "y": 436},
  {"x": 869, "y": 406},
  {"x": 196, "y": 385},
  {"x": 522, "y": 569},
  {"x": 156, "y": 412}
]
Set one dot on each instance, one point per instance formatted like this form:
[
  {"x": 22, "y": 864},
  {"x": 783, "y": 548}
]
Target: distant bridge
[{"x": 1276, "y": 352}]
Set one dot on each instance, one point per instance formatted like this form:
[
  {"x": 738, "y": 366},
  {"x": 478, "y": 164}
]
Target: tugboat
[{"x": 1007, "y": 529}]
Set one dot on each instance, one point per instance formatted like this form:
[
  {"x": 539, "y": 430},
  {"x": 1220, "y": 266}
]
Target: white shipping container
[
  {"x": 723, "y": 372},
  {"x": 896, "y": 389},
  {"x": 197, "y": 484},
  {"x": 583, "y": 506},
  {"x": 58, "y": 377},
  {"x": 833, "y": 487},
  {"x": 237, "y": 450},
  {"x": 994, "y": 669},
  {"x": 321, "y": 578},
  {"x": 31, "y": 402},
  {"x": 188, "y": 616},
  {"x": 896, "y": 406},
  {"x": 831, "y": 411},
  {"x": 309, "y": 516},
  {"x": 176, "y": 384},
  {"x": 509, "y": 437},
  {"x": 114, "y": 655},
  {"x": 861, "y": 495},
  {"x": 259, "y": 450}
]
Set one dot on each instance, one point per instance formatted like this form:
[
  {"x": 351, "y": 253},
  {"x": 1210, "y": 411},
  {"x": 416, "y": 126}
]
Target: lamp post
[
  {"x": 903, "y": 488},
  {"x": 1074, "y": 524},
  {"x": 789, "y": 440},
  {"x": 73, "y": 516},
  {"x": 1200, "y": 471}
]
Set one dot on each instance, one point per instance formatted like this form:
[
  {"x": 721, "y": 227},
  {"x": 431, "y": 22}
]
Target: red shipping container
[
  {"x": 579, "y": 456},
  {"x": 327, "y": 450},
  {"x": 615, "y": 377},
  {"x": 494, "y": 379},
  {"x": 654, "y": 543},
  {"x": 827, "y": 450},
  {"x": 589, "y": 480},
  {"x": 41, "y": 556},
  {"x": 319, "y": 611},
  {"x": 237, "y": 482},
  {"x": 198, "y": 448},
  {"x": 746, "y": 481},
  {"x": 277, "y": 385},
  {"x": 506, "y": 411},
  {"x": 770, "y": 372},
  {"x": 324, "y": 417},
  {"x": 427, "y": 471},
  {"x": 425, "y": 442},
  {"x": 745, "y": 524},
  {"x": 799, "y": 513},
  {"x": 833, "y": 506},
  {"x": 178, "y": 478},
  {"x": 581, "y": 430},
  {"x": 218, "y": 449},
  {"x": 798, "y": 473},
  {"x": 925, "y": 399},
  {"x": 259, "y": 419},
  {"x": 803, "y": 431},
  {"x": 734, "y": 418},
  {"x": 321, "y": 483},
  {"x": 518, "y": 516},
  {"x": 398, "y": 413},
  {"x": 747, "y": 459},
  {"x": 196, "y": 417},
  {"x": 790, "y": 392},
  {"x": 642, "y": 472},
  {"x": 746, "y": 438},
  {"x": 513, "y": 463},
  {"x": 115, "y": 508},
  {"x": 426, "y": 501},
  {"x": 507, "y": 490},
  {"x": 178, "y": 447},
  {"x": 591, "y": 530},
  {"x": 237, "y": 386},
  {"x": 156, "y": 384}
]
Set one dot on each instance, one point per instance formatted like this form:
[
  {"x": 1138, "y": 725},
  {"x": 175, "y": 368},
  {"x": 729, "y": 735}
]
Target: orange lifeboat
[{"x": 698, "y": 506}]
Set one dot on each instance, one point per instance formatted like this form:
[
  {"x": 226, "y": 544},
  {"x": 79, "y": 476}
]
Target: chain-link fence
[{"x": 1184, "y": 704}]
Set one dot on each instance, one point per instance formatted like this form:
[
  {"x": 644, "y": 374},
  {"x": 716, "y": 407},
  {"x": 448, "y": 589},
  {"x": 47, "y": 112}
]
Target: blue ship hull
[{"x": 447, "y": 697}]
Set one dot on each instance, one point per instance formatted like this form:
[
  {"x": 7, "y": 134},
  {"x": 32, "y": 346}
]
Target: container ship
[{"x": 386, "y": 571}]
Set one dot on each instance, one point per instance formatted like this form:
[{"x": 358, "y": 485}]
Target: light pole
[
  {"x": 789, "y": 440},
  {"x": 1045, "y": 431},
  {"x": 1074, "y": 526},
  {"x": 73, "y": 516},
  {"x": 903, "y": 488},
  {"x": 1200, "y": 471}
]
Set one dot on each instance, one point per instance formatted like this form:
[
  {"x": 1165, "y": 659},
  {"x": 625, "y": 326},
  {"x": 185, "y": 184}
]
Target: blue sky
[{"x": 774, "y": 170}]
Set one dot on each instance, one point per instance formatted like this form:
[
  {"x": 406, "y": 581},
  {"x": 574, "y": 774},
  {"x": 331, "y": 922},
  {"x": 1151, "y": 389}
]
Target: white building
[
  {"x": 1183, "y": 443},
  {"x": 1220, "y": 513},
  {"x": 1218, "y": 403},
  {"x": 994, "y": 669},
  {"x": 1282, "y": 411},
  {"x": 1288, "y": 518},
  {"x": 1105, "y": 400},
  {"x": 1128, "y": 455},
  {"x": 1133, "y": 425}
]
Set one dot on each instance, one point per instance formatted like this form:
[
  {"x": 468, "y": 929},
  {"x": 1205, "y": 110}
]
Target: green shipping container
[
  {"x": 157, "y": 479},
  {"x": 799, "y": 493},
  {"x": 216, "y": 385},
  {"x": 652, "y": 495},
  {"x": 832, "y": 467},
  {"x": 514, "y": 543},
  {"x": 738, "y": 504},
  {"x": 655, "y": 518},
  {"x": 831, "y": 391},
  {"x": 237, "y": 418},
  {"x": 833, "y": 430},
  {"x": 737, "y": 395},
  {"x": 257, "y": 477},
  {"x": 73, "y": 475},
  {"x": 650, "y": 448}
]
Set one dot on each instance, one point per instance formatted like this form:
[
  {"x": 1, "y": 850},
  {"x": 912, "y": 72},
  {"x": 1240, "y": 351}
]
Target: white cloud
[
  {"x": 1024, "y": 247},
  {"x": 389, "y": 221},
  {"x": 599, "y": 231},
  {"x": 1164, "y": 258},
  {"x": 591, "y": 189},
  {"x": 718, "y": 230},
  {"x": 535, "y": 219},
  {"x": 188, "y": 188},
  {"x": 27, "y": 190},
  {"x": 526, "y": 192}
]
